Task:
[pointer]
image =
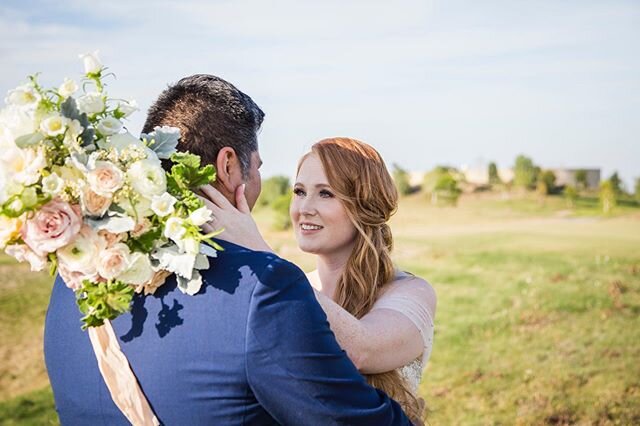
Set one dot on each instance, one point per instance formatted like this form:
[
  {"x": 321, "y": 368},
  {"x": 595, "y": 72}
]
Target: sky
[{"x": 442, "y": 82}]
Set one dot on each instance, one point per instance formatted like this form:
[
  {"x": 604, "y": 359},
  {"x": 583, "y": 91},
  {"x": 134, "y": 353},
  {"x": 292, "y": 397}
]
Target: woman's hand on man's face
[{"x": 239, "y": 226}]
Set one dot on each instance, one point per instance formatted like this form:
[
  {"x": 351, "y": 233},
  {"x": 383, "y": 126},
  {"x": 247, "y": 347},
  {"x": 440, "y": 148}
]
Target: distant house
[{"x": 566, "y": 177}]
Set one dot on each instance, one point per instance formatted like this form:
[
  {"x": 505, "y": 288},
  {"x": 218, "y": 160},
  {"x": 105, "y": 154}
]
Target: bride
[{"x": 382, "y": 317}]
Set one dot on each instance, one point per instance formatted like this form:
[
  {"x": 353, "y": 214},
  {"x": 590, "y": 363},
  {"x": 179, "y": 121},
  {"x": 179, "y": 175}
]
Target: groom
[{"x": 253, "y": 347}]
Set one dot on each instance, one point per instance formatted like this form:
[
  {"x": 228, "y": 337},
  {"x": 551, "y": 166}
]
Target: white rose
[
  {"x": 24, "y": 96},
  {"x": 109, "y": 126},
  {"x": 67, "y": 88},
  {"x": 162, "y": 205},
  {"x": 105, "y": 178},
  {"x": 147, "y": 177},
  {"x": 174, "y": 229},
  {"x": 54, "y": 125},
  {"x": 201, "y": 216},
  {"x": 128, "y": 107},
  {"x": 92, "y": 64},
  {"x": 91, "y": 103},
  {"x": 139, "y": 271},
  {"x": 114, "y": 261},
  {"x": 83, "y": 253}
]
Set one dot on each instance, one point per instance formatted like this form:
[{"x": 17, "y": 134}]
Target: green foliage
[
  {"x": 581, "y": 179},
  {"x": 272, "y": 189},
  {"x": 494, "y": 178},
  {"x": 637, "y": 190},
  {"x": 280, "y": 206},
  {"x": 145, "y": 242},
  {"x": 616, "y": 184},
  {"x": 608, "y": 196},
  {"x": 441, "y": 184},
  {"x": 401, "y": 179},
  {"x": 103, "y": 301},
  {"x": 546, "y": 182},
  {"x": 34, "y": 408},
  {"x": 571, "y": 195},
  {"x": 525, "y": 172},
  {"x": 187, "y": 175}
]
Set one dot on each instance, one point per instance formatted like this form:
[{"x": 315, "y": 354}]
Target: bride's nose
[{"x": 307, "y": 207}]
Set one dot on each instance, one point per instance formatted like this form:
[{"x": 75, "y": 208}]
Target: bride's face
[{"x": 319, "y": 218}]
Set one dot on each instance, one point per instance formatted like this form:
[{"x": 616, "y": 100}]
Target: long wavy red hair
[{"x": 360, "y": 179}]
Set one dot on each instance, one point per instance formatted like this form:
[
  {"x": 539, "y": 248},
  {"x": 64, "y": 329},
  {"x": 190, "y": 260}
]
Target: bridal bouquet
[{"x": 82, "y": 196}]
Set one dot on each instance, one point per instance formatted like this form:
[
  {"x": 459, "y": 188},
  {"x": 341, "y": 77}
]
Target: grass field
[{"x": 538, "y": 317}]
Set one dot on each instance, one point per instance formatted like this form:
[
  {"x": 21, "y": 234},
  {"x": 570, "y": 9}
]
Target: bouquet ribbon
[{"x": 119, "y": 378}]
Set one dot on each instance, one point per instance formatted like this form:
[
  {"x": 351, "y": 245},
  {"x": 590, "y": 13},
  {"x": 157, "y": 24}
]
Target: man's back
[{"x": 253, "y": 347}]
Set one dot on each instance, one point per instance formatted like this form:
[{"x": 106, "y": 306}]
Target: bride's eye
[
  {"x": 298, "y": 192},
  {"x": 326, "y": 194}
]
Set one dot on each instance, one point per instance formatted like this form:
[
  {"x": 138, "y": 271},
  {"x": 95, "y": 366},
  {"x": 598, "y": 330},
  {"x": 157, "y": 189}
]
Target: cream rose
[
  {"x": 93, "y": 204},
  {"x": 105, "y": 178},
  {"x": 22, "y": 253},
  {"x": 114, "y": 261},
  {"x": 53, "y": 226},
  {"x": 24, "y": 165}
]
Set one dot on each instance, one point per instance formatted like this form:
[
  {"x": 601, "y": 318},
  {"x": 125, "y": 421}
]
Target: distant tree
[
  {"x": 616, "y": 184},
  {"x": 570, "y": 195},
  {"x": 637, "y": 190},
  {"x": 547, "y": 181},
  {"x": 607, "y": 195},
  {"x": 280, "y": 206},
  {"x": 524, "y": 172},
  {"x": 272, "y": 189},
  {"x": 494, "y": 178},
  {"x": 441, "y": 184},
  {"x": 581, "y": 179},
  {"x": 401, "y": 179}
]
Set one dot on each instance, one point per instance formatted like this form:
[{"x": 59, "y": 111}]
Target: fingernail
[{"x": 244, "y": 186}]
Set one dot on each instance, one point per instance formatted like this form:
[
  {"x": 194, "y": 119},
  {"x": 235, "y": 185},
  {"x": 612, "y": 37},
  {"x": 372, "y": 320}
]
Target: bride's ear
[{"x": 228, "y": 170}]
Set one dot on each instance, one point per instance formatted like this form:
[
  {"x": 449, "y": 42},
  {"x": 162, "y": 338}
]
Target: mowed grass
[{"x": 538, "y": 318}]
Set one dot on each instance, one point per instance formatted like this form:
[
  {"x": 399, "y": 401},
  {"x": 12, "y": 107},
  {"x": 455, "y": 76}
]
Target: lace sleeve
[{"x": 415, "y": 299}]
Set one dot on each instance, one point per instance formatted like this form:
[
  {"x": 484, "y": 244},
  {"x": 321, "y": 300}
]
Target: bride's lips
[{"x": 307, "y": 228}]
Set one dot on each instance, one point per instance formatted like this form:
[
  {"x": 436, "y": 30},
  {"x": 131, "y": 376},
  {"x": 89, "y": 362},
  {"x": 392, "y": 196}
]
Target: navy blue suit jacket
[{"x": 253, "y": 347}]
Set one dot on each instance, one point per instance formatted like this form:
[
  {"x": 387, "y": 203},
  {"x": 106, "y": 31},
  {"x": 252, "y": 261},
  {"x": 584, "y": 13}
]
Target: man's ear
[{"x": 228, "y": 171}]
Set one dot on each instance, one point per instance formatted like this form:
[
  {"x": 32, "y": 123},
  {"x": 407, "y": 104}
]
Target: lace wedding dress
[{"x": 411, "y": 301}]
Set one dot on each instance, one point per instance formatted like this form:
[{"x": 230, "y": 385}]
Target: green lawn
[{"x": 537, "y": 323}]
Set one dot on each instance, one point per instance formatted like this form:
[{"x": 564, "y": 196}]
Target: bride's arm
[{"x": 384, "y": 339}]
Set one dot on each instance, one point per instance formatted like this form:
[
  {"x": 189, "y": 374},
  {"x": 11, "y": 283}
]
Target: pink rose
[
  {"x": 114, "y": 261},
  {"x": 23, "y": 253},
  {"x": 94, "y": 204},
  {"x": 52, "y": 227}
]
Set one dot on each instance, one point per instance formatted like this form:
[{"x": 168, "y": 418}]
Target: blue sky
[{"x": 425, "y": 82}]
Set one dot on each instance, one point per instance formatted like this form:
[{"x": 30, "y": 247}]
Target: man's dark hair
[{"x": 211, "y": 114}]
